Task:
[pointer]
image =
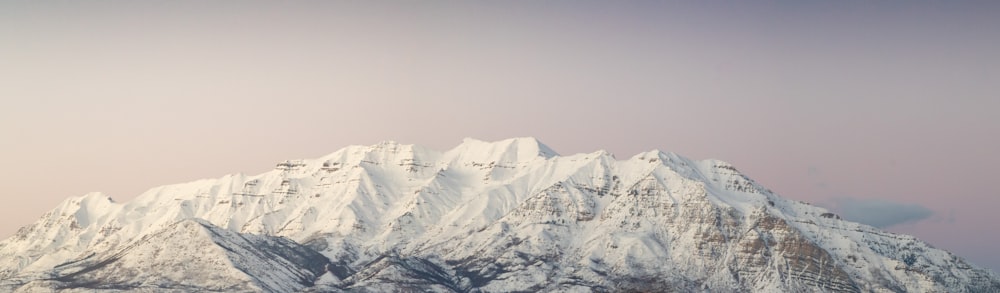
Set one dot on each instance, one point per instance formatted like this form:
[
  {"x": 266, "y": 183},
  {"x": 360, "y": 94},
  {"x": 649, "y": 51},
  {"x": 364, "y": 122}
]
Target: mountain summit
[{"x": 505, "y": 216}]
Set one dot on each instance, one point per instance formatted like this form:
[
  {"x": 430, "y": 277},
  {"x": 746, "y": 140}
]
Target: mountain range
[{"x": 503, "y": 216}]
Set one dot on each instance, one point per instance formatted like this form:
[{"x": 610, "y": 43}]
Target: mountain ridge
[
  {"x": 514, "y": 215},
  {"x": 227, "y": 261}
]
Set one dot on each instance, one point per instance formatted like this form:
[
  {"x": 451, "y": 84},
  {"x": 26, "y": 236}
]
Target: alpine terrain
[{"x": 503, "y": 216}]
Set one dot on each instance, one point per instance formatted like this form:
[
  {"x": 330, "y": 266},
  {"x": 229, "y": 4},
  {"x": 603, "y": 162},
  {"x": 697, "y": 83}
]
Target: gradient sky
[{"x": 867, "y": 108}]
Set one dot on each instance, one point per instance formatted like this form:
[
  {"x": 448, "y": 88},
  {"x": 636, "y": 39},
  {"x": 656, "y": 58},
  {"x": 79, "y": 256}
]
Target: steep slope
[
  {"x": 193, "y": 255},
  {"x": 514, "y": 215}
]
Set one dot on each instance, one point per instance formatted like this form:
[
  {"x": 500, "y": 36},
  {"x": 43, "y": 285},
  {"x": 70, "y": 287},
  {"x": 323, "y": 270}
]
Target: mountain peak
[
  {"x": 512, "y": 149},
  {"x": 94, "y": 197}
]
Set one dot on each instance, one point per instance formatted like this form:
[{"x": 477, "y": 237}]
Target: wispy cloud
[{"x": 880, "y": 212}]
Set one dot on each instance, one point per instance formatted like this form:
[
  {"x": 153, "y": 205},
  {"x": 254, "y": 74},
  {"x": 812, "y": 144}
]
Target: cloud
[
  {"x": 879, "y": 212},
  {"x": 948, "y": 218}
]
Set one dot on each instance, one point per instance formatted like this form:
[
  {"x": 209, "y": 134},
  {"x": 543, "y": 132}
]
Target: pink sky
[{"x": 826, "y": 103}]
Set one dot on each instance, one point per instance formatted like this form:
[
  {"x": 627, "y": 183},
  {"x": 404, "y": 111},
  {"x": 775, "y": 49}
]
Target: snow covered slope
[
  {"x": 503, "y": 216},
  {"x": 194, "y": 255}
]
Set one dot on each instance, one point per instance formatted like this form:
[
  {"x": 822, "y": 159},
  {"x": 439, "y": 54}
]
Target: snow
[
  {"x": 193, "y": 253},
  {"x": 585, "y": 217}
]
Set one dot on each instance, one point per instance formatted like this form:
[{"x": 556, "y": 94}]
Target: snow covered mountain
[
  {"x": 503, "y": 216},
  {"x": 164, "y": 260}
]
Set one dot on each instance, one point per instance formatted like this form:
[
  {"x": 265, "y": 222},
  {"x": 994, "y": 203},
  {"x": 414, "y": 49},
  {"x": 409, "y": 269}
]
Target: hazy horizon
[{"x": 884, "y": 109}]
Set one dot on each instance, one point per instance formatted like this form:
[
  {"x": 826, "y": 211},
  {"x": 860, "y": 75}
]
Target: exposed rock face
[{"x": 484, "y": 217}]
